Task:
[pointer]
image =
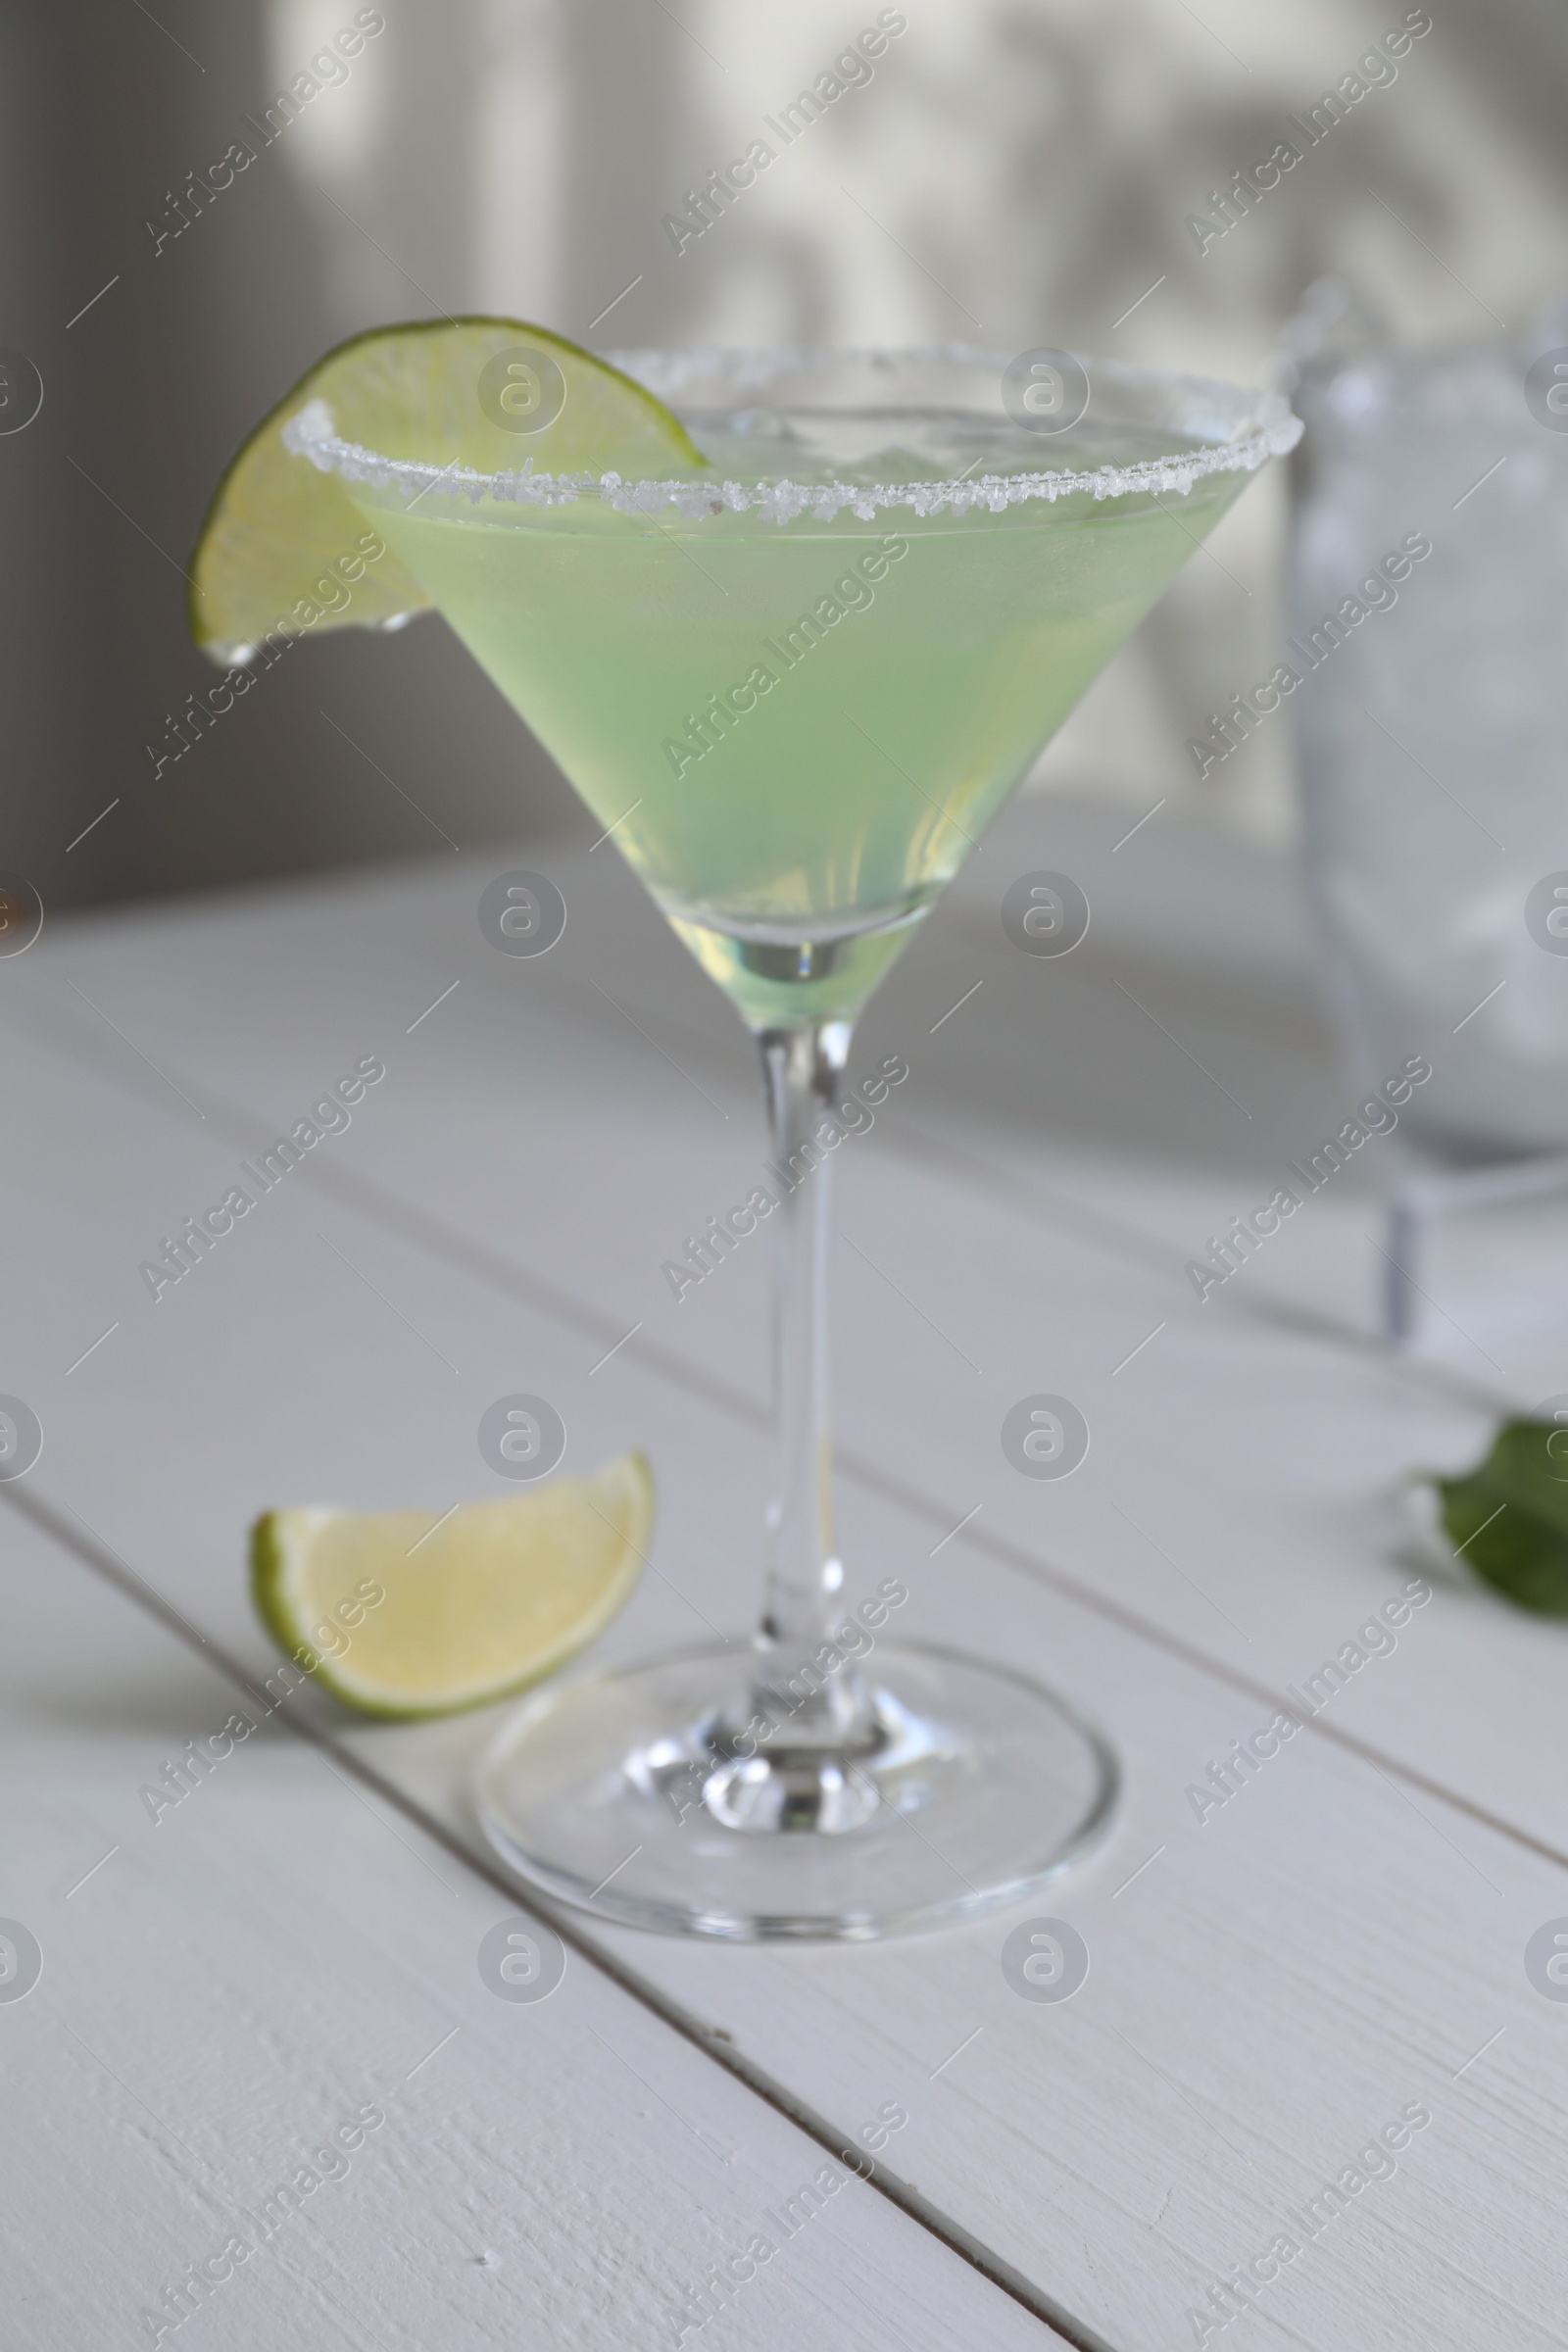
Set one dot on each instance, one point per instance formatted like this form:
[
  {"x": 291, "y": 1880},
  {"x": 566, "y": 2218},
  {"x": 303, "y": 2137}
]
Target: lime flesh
[
  {"x": 409, "y": 1612},
  {"x": 284, "y": 549}
]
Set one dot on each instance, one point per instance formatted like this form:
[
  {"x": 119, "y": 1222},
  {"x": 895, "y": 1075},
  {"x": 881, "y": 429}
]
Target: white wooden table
[{"x": 293, "y": 1946}]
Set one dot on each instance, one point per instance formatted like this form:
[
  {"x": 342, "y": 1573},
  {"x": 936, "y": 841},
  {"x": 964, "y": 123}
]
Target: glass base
[{"x": 630, "y": 1795}]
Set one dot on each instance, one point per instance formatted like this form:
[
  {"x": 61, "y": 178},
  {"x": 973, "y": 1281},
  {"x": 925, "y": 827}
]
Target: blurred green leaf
[{"x": 1508, "y": 1518}]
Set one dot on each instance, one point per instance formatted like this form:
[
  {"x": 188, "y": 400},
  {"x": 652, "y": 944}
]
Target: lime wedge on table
[
  {"x": 277, "y": 523},
  {"x": 472, "y": 1607}
]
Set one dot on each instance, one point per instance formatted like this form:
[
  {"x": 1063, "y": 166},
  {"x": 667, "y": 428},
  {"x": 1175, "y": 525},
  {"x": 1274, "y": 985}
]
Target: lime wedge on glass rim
[
  {"x": 283, "y": 540},
  {"x": 406, "y": 1613}
]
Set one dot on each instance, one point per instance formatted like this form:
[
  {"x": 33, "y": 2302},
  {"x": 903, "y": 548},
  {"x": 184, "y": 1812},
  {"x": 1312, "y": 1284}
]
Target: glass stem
[{"x": 803, "y": 1067}]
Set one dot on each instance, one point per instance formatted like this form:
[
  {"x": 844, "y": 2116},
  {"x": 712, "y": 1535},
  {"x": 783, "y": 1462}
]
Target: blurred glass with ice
[{"x": 1434, "y": 738}]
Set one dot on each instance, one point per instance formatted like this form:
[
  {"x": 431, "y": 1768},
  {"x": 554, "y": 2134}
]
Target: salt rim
[{"x": 311, "y": 434}]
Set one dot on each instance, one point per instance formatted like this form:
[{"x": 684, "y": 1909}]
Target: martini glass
[{"x": 797, "y": 687}]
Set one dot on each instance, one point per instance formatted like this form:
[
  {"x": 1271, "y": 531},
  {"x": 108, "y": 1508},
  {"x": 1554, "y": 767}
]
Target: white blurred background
[{"x": 1017, "y": 172}]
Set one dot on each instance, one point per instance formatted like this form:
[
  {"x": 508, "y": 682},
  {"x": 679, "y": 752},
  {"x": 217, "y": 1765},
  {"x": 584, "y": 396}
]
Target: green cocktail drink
[
  {"x": 799, "y": 732},
  {"x": 794, "y": 627}
]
